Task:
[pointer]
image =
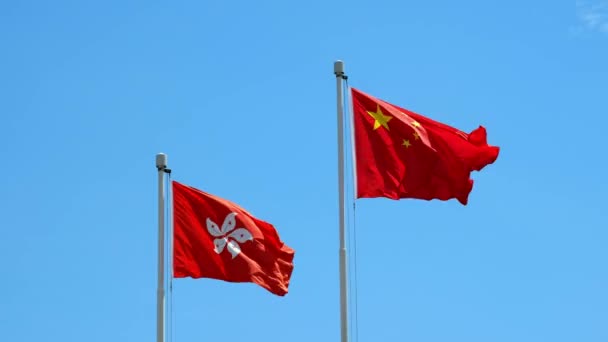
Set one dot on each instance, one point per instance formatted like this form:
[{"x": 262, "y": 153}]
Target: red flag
[
  {"x": 401, "y": 154},
  {"x": 215, "y": 238}
]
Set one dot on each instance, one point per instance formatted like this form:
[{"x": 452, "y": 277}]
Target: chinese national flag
[
  {"x": 401, "y": 154},
  {"x": 215, "y": 238}
]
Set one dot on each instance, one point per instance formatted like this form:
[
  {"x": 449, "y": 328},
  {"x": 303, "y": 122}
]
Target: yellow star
[
  {"x": 406, "y": 143},
  {"x": 380, "y": 119},
  {"x": 416, "y": 124},
  {"x": 416, "y": 136}
]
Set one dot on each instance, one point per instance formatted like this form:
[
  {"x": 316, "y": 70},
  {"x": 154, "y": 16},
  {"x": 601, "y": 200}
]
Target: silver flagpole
[
  {"x": 161, "y": 165},
  {"x": 340, "y": 76}
]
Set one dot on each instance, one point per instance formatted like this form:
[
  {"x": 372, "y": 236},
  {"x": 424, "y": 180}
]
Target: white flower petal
[
  {"x": 229, "y": 223},
  {"x": 213, "y": 229},
  {"x": 219, "y": 245},
  {"x": 241, "y": 235},
  {"x": 234, "y": 248}
]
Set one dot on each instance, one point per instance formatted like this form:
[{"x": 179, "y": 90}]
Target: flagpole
[
  {"x": 340, "y": 76},
  {"x": 161, "y": 166}
]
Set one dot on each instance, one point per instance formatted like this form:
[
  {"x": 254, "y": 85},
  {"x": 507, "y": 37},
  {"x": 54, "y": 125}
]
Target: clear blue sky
[{"x": 241, "y": 97}]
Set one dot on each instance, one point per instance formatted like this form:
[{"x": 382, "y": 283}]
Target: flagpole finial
[
  {"x": 161, "y": 161},
  {"x": 339, "y": 68}
]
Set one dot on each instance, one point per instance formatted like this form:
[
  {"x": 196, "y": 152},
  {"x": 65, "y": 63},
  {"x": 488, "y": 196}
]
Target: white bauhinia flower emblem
[{"x": 228, "y": 236}]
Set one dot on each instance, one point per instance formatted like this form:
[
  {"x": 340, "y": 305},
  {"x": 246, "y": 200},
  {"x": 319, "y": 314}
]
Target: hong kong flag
[{"x": 215, "y": 238}]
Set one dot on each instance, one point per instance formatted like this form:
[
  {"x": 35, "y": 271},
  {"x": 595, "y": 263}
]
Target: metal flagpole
[
  {"x": 161, "y": 166},
  {"x": 340, "y": 76}
]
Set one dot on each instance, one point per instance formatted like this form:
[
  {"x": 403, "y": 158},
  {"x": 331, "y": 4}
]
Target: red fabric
[
  {"x": 434, "y": 163},
  {"x": 207, "y": 236}
]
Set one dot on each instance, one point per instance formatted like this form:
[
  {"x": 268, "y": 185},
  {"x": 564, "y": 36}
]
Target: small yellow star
[
  {"x": 380, "y": 118},
  {"x": 416, "y": 124},
  {"x": 416, "y": 136},
  {"x": 406, "y": 143}
]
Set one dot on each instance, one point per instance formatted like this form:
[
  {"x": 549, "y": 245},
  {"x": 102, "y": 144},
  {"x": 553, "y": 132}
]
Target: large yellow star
[{"x": 380, "y": 118}]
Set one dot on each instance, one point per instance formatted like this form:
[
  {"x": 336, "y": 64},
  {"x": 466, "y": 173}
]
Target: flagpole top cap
[
  {"x": 339, "y": 68},
  {"x": 161, "y": 161}
]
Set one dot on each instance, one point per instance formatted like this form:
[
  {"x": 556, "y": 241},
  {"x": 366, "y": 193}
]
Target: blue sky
[{"x": 241, "y": 96}]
